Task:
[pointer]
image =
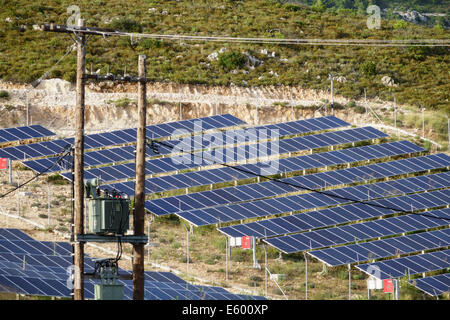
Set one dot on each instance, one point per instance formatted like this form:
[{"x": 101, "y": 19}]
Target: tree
[{"x": 319, "y": 6}]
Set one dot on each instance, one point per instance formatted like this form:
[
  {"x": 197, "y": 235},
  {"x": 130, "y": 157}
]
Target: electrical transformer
[{"x": 107, "y": 214}]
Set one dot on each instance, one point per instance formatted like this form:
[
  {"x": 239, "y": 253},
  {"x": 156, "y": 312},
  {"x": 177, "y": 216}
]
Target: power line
[
  {"x": 62, "y": 155},
  {"x": 303, "y": 187},
  {"x": 256, "y": 40}
]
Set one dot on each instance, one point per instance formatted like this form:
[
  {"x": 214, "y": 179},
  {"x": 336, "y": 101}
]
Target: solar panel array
[
  {"x": 40, "y": 268},
  {"x": 354, "y": 232},
  {"x": 435, "y": 285},
  {"x": 24, "y": 133},
  {"x": 309, "y": 220},
  {"x": 411, "y": 265},
  {"x": 292, "y": 164},
  {"x": 390, "y": 247},
  {"x": 233, "y": 154},
  {"x": 320, "y": 180},
  {"x": 298, "y": 242},
  {"x": 272, "y": 206},
  {"x": 92, "y": 141},
  {"x": 127, "y": 153}
]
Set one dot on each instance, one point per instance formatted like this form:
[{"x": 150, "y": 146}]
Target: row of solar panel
[
  {"x": 435, "y": 285},
  {"x": 48, "y": 272},
  {"x": 112, "y": 138},
  {"x": 13, "y": 234},
  {"x": 390, "y": 247},
  {"x": 316, "y": 219},
  {"x": 312, "y": 161},
  {"x": 267, "y": 207},
  {"x": 153, "y": 290},
  {"x": 35, "y": 247},
  {"x": 120, "y": 154},
  {"x": 357, "y": 232},
  {"x": 24, "y": 133},
  {"x": 328, "y": 217},
  {"x": 233, "y": 154},
  {"x": 396, "y": 268},
  {"x": 23, "y": 269},
  {"x": 320, "y": 180}
]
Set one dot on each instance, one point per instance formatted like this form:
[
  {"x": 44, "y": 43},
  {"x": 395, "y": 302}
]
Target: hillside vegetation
[{"x": 421, "y": 73}]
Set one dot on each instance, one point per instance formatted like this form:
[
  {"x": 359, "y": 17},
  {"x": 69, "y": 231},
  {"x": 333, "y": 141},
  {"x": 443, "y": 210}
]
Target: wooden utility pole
[
  {"x": 79, "y": 166},
  {"x": 139, "y": 197}
]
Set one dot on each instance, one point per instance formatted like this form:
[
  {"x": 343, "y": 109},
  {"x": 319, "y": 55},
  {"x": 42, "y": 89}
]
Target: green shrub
[
  {"x": 126, "y": 24},
  {"x": 232, "y": 60},
  {"x": 4, "y": 94},
  {"x": 57, "y": 179},
  {"x": 150, "y": 43},
  {"x": 369, "y": 68}
]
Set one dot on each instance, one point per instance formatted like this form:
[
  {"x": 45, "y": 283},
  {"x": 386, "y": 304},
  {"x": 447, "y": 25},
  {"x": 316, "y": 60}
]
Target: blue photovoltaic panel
[
  {"x": 212, "y": 176},
  {"x": 357, "y": 212},
  {"x": 153, "y": 290},
  {"x": 24, "y": 133},
  {"x": 45, "y": 260},
  {"x": 120, "y": 154},
  {"x": 397, "y": 268},
  {"x": 13, "y": 234},
  {"x": 320, "y": 180},
  {"x": 385, "y": 248},
  {"x": 435, "y": 285},
  {"x": 31, "y": 247},
  {"x": 23, "y": 269},
  {"x": 112, "y": 138},
  {"x": 267, "y": 207},
  {"x": 234, "y": 154}
]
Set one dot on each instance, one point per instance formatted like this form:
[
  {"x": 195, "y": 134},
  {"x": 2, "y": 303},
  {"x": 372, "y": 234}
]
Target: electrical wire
[
  {"x": 257, "y": 40},
  {"x": 195, "y": 154},
  {"x": 62, "y": 155}
]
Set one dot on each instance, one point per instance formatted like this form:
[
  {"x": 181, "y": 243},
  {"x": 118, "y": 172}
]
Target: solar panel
[
  {"x": 230, "y": 154},
  {"x": 31, "y": 247},
  {"x": 320, "y": 180},
  {"x": 127, "y": 153},
  {"x": 153, "y": 290},
  {"x": 360, "y": 252},
  {"x": 267, "y": 207},
  {"x": 411, "y": 265},
  {"x": 13, "y": 234},
  {"x": 24, "y": 269},
  {"x": 112, "y": 138},
  {"x": 44, "y": 260},
  {"x": 435, "y": 285},
  {"x": 312, "y": 220},
  {"x": 212, "y": 176},
  {"x": 24, "y": 133}
]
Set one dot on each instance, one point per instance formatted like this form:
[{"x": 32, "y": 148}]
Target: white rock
[
  {"x": 8, "y": 19},
  {"x": 244, "y": 82},
  {"x": 260, "y": 77},
  {"x": 341, "y": 79},
  {"x": 152, "y": 10},
  {"x": 264, "y": 51},
  {"x": 222, "y": 50},
  {"x": 164, "y": 13},
  {"x": 284, "y": 60},
  {"x": 179, "y": 56},
  {"x": 213, "y": 56},
  {"x": 56, "y": 86},
  {"x": 388, "y": 81},
  {"x": 235, "y": 71},
  {"x": 244, "y": 71}
]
